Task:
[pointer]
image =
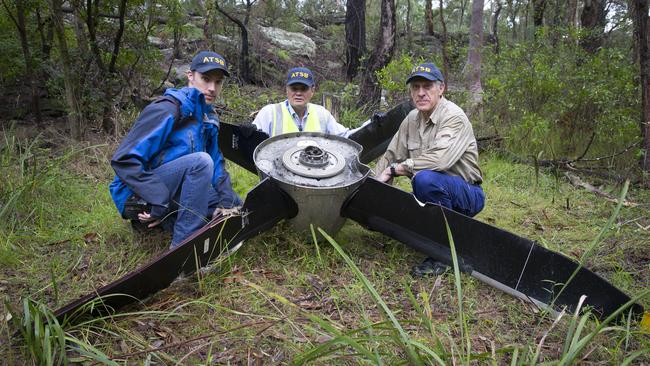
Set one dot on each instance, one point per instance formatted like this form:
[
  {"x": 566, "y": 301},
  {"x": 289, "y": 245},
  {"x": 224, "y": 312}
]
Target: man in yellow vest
[{"x": 296, "y": 114}]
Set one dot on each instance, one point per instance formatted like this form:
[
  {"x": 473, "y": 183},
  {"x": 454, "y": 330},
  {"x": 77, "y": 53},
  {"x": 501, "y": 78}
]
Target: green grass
[{"x": 282, "y": 299}]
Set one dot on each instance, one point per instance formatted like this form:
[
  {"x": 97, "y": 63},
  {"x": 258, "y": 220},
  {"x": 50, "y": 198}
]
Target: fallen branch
[
  {"x": 568, "y": 164},
  {"x": 576, "y": 181},
  {"x": 485, "y": 141},
  {"x": 581, "y": 158}
]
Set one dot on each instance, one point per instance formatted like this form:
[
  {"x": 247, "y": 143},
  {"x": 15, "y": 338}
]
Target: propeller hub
[
  {"x": 313, "y": 161},
  {"x": 313, "y": 156},
  {"x": 317, "y": 170}
]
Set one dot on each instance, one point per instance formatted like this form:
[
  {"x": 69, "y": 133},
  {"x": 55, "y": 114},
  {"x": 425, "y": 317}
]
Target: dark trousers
[
  {"x": 188, "y": 179},
  {"x": 448, "y": 191}
]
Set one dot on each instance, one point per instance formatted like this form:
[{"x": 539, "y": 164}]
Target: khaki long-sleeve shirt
[{"x": 445, "y": 142}]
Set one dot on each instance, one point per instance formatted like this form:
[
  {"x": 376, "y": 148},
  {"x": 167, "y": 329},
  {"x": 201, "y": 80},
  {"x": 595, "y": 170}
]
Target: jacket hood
[{"x": 192, "y": 102}]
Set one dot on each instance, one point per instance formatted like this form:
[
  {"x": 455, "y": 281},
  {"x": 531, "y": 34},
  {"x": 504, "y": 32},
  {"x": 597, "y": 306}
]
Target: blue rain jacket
[{"x": 156, "y": 138}]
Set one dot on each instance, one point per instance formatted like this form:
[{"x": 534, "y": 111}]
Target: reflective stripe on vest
[{"x": 313, "y": 124}]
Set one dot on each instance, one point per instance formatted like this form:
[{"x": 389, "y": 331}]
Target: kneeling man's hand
[
  {"x": 385, "y": 175},
  {"x": 145, "y": 217},
  {"x": 225, "y": 212}
]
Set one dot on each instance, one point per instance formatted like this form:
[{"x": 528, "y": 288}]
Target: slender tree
[
  {"x": 113, "y": 87},
  {"x": 46, "y": 35},
  {"x": 593, "y": 20},
  {"x": 463, "y": 6},
  {"x": 570, "y": 15},
  {"x": 355, "y": 36},
  {"x": 495, "y": 25},
  {"x": 512, "y": 15},
  {"x": 474, "y": 59},
  {"x": 76, "y": 119},
  {"x": 428, "y": 15},
  {"x": 79, "y": 13},
  {"x": 538, "y": 12},
  {"x": 245, "y": 73},
  {"x": 92, "y": 13},
  {"x": 383, "y": 53},
  {"x": 639, "y": 12},
  {"x": 409, "y": 28},
  {"x": 30, "y": 72},
  {"x": 445, "y": 40}
]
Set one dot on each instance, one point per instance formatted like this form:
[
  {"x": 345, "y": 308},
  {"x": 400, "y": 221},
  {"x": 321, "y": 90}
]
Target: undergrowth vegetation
[
  {"x": 548, "y": 98},
  {"x": 558, "y": 98},
  {"x": 283, "y": 298}
]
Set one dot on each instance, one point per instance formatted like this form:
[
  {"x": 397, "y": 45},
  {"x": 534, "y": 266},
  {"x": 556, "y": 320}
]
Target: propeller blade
[
  {"x": 265, "y": 205},
  {"x": 497, "y": 257},
  {"x": 375, "y": 136},
  {"x": 238, "y": 142}
]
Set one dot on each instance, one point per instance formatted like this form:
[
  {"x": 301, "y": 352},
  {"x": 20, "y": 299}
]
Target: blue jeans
[
  {"x": 192, "y": 201},
  {"x": 448, "y": 191}
]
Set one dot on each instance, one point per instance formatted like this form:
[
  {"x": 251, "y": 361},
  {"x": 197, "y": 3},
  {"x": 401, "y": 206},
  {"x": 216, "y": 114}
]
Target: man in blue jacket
[{"x": 170, "y": 158}]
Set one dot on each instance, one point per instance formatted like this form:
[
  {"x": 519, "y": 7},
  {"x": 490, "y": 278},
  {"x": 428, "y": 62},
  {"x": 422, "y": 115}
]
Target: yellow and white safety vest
[{"x": 283, "y": 122}]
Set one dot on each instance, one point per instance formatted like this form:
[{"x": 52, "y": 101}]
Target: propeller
[
  {"x": 497, "y": 257},
  {"x": 265, "y": 205},
  {"x": 313, "y": 172}
]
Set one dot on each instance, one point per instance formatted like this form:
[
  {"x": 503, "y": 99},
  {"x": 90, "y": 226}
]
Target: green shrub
[
  {"x": 393, "y": 76},
  {"x": 551, "y": 96}
]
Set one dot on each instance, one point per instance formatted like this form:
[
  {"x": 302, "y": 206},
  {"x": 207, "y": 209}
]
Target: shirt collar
[
  {"x": 292, "y": 112},
  {"x": 431, "y": 118}
]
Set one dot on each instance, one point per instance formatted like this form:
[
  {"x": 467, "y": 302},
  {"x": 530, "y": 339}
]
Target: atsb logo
[
  {"x": 421, "y": 68},
  {"x": 300, "y": 74},
  {"x": 215, "y": 60}
]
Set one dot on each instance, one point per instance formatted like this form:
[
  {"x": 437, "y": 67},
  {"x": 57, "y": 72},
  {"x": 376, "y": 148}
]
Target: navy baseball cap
[
  {"x": 428, "y": 71},
  {"x": 205, "y": 61},
  {"x": 300, "y": 75}
]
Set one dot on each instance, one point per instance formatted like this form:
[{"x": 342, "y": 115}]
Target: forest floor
[{"x": 62, "y": 237}]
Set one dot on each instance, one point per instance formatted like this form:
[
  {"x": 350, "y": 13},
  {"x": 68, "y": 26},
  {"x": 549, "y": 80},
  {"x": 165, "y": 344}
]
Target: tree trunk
[
  {"x": 111, "y": 89},
  {"x": 495, "y": 25},
  {"x": 91, "y": 20},
  {"x": 639, "y": 10},
  {"x": 19, "y": 22},
  {"x": 79, "y": 28},
  {"x": 244, "y": 62},
  {"x": 445, "y": 57},
  {"x": 525, "y": 23},
  {"x": 355, "y": 36},
  {"x": 409, "y": 31},
  {"x": 76, "y": 119},
  {"x": 570, "y": 15},
  {"x": 463, "y": 6},
  {"x": 384, "y": 48},
  {"x": 512, "y": 15},
  {"x": 46, "y": 38},
  {"x": 474, "y": 60},
  {"x": 538, "y": 12},
  {"x": 118, "y": 37},
  {"x": 428, "y": 15},
  {"x": 593, "y": 20}
]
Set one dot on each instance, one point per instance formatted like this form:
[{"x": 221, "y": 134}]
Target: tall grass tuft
[
  {"x": 31, "y": 172},
  {"x": 459, "y": 292},
  {"x": 46, "y": 341}
]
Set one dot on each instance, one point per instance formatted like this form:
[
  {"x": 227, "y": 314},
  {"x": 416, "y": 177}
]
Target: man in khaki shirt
[{"x": 436, "y": 147}]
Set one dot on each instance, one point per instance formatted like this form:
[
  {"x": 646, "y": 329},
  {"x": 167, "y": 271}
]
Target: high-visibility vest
[{"x": 313, "y": 124}]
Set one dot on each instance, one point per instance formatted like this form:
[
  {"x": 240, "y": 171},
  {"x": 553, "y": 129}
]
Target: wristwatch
[{"x": 393, "y": 172}]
